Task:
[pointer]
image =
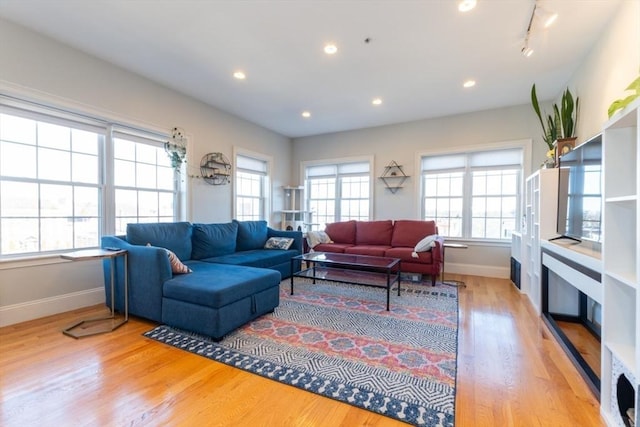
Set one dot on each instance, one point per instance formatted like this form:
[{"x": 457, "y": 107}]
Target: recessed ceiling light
[
  {"x": 469, "y": 83},
  {"x": 330, "y": 49},
  {"x": 376, "y": 101},
  {"x": 466, "y": 5},
  {"x": 306, "y": 114},
  {"x": 240, "y": 75}
]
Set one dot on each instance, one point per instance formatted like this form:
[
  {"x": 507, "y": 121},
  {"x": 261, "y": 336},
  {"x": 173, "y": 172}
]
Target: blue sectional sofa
[{"x": 233, "y": 277}]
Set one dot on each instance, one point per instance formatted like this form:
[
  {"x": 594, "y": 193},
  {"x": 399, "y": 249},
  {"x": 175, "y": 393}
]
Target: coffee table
[{"x": 365, "y": 270}]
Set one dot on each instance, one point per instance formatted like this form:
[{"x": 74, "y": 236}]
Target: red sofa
[{"x": 396, "y": 239}]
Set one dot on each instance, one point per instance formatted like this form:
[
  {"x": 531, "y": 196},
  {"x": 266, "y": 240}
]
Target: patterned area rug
[{"x": 339, "y": 341}]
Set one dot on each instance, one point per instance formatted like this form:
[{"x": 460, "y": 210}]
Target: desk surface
[
  {"x": 86, "y": 254},
  {"x": 455, "y": 245}
]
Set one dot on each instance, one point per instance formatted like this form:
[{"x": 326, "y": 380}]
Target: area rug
[{"x": 339, "y": 341}]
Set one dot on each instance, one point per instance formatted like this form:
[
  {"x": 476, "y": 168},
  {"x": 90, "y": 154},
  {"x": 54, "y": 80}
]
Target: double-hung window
[
  {"x": 251, "y": 187},
  {"x": 143, "y": 180},
  {"x": 473, "y": 195},
  {"x": 338, "y": 192},
  {"x": 66, "y": 179}
]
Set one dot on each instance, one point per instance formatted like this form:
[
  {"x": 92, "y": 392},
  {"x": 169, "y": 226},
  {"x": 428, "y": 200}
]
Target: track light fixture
[{"x": 547, "y": 19}]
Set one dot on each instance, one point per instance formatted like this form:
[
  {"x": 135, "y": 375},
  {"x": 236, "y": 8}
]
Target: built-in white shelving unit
[
  {"x": 621, "y": 262},
  {"x": 295, "y": 217},
  {"x": 541, "y": 205}
]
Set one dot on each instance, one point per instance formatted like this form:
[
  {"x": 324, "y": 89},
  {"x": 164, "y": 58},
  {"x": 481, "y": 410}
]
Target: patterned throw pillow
[
  {"x": 176, "y": 265},
  {"x": 283, "y": 243}
]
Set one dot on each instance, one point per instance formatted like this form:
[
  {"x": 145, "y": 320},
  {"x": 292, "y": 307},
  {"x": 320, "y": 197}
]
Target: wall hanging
[
  {"x": 215, "y": 169},
  {"x": 393, "y": 176},
  {"x": 176, "y": 148}
]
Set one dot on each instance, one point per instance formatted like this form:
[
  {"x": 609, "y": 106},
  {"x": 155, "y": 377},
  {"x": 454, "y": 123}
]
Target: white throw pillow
[
  {"x": 424, "y": 245},
  {"x": 314, "y": 238}
]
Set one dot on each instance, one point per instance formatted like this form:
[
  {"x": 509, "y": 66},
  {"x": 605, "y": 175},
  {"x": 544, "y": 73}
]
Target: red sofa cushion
[
  {"x": 342, "y": 232},
  {"x": 371, "y": 250},
  {"x": 405, "y": 255},
  {"x": 407, "y": 233},
  {"x": 374, "y": 232},
  {"x": 331, "y": 247}
]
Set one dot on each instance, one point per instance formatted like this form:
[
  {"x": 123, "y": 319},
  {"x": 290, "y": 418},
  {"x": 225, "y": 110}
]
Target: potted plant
[
  {"x": 619, "y": 104},
  {"x": 176, "y": 149},
  {"x": 561, "y": 126}
]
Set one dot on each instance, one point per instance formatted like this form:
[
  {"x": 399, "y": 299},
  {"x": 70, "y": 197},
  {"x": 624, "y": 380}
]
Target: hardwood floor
[{"x": 511, "y": 372}]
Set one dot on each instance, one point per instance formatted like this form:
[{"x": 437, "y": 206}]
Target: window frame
[
  {"x": 266, "y": 198},
  {"x": 524, "y": 144},
  {"x": 304, "y": 165},
  {"x": 56, "y": 111}
]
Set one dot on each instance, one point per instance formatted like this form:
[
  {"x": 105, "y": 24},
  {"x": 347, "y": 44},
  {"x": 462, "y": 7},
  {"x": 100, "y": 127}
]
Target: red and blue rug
[{"x": 339, "y": 341}]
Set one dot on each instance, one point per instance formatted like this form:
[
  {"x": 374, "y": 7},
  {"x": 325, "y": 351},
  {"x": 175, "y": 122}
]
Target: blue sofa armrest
[
  {"x": 296, "y": 235},
  {"x": 148, "y": 267}
]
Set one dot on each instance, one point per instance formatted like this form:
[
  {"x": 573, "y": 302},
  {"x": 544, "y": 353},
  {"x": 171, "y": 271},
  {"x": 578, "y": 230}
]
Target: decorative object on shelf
[
  {"x": 562, "y": 147},
  {"x": 393, "y": 176},
  {"x": 561, "y": 126},
  {"x": 176, "y": 148},
  {"x": 215, "y": 169},
  {"x": 619, "y": 104}
]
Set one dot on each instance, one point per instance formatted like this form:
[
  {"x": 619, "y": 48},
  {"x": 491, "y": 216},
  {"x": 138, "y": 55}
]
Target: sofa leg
[{"x": 433, "y": 280}]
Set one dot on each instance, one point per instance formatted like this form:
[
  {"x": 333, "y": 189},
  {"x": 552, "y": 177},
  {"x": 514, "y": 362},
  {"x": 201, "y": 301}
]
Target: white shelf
[
  {"x": 621, "y": 254},
  {"x": 624, "y": 353}
]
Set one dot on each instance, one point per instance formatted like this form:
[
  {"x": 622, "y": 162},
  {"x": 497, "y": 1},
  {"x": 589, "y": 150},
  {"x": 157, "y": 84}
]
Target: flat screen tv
[{"x": 580, "y": 192}]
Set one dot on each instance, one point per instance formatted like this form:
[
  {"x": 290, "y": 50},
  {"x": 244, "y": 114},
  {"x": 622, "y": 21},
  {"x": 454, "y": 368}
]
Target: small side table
[
  {"x": 109, "y": 323},
  {"x": 456, "y": 283}
]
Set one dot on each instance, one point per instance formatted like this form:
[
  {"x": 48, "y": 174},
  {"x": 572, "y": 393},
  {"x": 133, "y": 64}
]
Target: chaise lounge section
[{"x": 235, "y": 274}]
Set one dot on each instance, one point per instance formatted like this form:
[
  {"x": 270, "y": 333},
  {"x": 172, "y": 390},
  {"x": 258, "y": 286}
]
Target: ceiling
[{"x": 416, "y": 59}]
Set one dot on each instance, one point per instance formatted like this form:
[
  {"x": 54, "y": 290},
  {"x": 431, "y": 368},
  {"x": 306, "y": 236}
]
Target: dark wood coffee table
[{"x": 365, "y": 270}]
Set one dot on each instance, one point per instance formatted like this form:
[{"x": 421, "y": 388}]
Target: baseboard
[
  {"x": 478, "y": 270},
  {"x": 30, "y": 310}
]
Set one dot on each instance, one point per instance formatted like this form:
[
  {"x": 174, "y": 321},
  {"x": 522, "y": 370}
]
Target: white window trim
[
  {"x": 268, "y": 202},
  {"x": 524, "y": 144},
  {"x": 359, "y": 159},
  {"x": 16, "y": 96}
]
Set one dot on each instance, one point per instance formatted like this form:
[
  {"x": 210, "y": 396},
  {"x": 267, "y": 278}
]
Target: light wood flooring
[{"x": 511, "y": 372}]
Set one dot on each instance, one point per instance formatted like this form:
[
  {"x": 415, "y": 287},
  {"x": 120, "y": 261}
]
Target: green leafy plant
[
  {"x": 619, "y": 104},
  {"x": 562, "y": 124}
]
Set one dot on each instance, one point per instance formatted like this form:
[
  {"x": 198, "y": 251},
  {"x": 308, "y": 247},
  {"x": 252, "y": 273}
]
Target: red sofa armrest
[{"x": 438, "y": 250}]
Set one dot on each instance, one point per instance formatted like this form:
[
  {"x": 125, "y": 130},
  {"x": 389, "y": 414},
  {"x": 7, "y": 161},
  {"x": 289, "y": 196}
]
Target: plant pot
[{"x": 563, "y": 146}]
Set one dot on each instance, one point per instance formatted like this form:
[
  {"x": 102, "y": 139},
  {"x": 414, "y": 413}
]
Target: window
[
  {"x": 338, "y": 192},
  {"x": 143, "y": 181},
  {"x": 251, "y": 188},
  {"x": 473, "y": 195},
  {"x": 60, "y": 190}
]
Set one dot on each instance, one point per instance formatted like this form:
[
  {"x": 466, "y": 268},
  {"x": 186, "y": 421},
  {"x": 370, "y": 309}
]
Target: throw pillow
[
  {"x": 283, "y": 243},
  {"x": 424, "y": 245},
  {"x": 314, "y": 238},
  {"x": 176, "y": 265}
]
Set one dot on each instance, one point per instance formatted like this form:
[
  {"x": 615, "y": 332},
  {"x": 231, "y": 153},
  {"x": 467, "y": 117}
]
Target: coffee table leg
[{"x": 292, "y": 276}]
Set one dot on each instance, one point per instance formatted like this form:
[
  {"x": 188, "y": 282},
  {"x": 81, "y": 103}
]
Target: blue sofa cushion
[
  {"x": 210, "y": 240},
  {"x": 217, "y": 285},
  {"x": 262, "y": 258},
  {"x": 175, "y": 236},
  {"x": 251, "y": 235}
]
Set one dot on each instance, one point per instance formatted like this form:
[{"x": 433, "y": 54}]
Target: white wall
[
  {"x": 610, "y": 66},
  {"x": 405, "y": 142},
  {"x": 39, "y": 67}
]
